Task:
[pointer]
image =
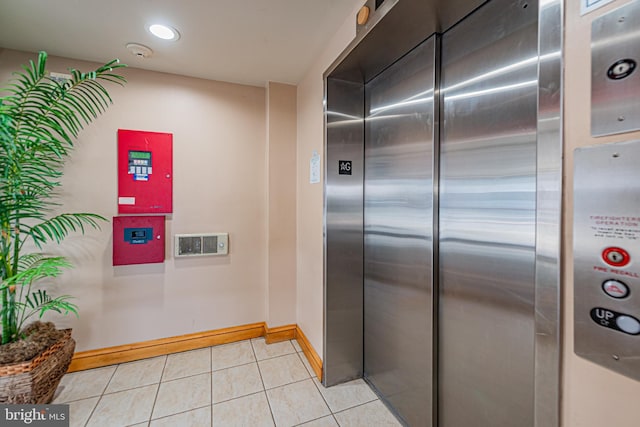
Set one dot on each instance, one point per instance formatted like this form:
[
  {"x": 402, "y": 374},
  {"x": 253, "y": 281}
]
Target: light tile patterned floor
[{"x": 248, "y": 383}]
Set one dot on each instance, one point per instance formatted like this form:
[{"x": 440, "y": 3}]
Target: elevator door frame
[{"x": 342, "y": 358}]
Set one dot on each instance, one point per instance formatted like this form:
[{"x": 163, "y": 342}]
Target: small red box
[
  {"x": 145, "y": 172},
  {"x": 138, "y": 240}
]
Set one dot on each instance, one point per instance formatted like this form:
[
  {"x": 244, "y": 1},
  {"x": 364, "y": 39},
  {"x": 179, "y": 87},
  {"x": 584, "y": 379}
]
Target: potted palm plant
[{"x": 40, "y": 118}]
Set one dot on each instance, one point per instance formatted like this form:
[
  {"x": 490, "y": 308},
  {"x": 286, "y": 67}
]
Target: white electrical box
[{"x": 188, "y": 245}]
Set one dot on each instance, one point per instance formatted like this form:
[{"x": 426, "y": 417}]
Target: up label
[
  {"x": 602, "y": 316},
  {"x": 621, "y": 322}
]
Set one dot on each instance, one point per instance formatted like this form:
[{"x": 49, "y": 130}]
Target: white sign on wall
[
  {"x": 314, "y": 168},
  {"x": 587, "y": 6}
]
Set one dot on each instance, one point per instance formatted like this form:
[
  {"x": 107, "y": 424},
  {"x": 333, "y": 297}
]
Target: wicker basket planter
[{"x": 35, "y": 381}]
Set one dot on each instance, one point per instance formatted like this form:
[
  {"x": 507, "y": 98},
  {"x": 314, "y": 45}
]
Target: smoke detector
[{"x": 139, "y": 50}]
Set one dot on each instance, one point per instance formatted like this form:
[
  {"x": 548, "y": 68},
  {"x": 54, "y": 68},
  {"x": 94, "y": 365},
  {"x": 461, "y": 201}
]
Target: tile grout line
[
  {"x": 315, "y": 419},
  {"x": 321, "y": 395},
  {"x": 234, "y": 366},
  {"x": 140, "y": 385},
  {"x": 292, "y": 382},
  {"x": 275, "y": 357},
  {"x": 92, "y": 411},
  {"x": 182, "y": 378},
  {"x": 271, "y": 357},
  {"x": 110, "y": 379},
  {"x": 177, "y": 413},
  {"x": 306, "y": 362},
  {"x": 264, "y": 389},
  {"x": 100, "y": 397},
  {"x": 345, "y": 409},
  {"x": 357, "y": 406},
  {"x": 155, "y": 399},
  {"x": 207, "y": 371},
  {"x": 311, "y": 375},
  {"x": 239, "y": 397}
]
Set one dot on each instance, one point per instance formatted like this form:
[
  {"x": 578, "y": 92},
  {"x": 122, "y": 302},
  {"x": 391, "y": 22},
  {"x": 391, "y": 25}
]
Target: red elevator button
[{"x": 617, "y": 257}]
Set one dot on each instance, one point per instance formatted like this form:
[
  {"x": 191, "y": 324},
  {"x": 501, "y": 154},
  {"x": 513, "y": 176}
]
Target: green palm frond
[
  {"x": 58, "y": 227},
  {"x": 40, "y": 301},
  {"x": 39, "y": 267},
  {"x": 26, "y": 261},
  {"x": 40, "y": 119}
]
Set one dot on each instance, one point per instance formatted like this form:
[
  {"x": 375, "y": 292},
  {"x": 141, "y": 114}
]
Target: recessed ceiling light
[{"x": 164, "y": 32}]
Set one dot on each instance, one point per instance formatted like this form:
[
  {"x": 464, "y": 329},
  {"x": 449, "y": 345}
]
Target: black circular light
[{"x": 621, "y": 69}]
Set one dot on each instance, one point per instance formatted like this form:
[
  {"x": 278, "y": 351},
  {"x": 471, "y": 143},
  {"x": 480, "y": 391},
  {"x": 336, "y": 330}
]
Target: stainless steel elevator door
[
  {"x": 398, "y": 231},
  {"x": 343, "y": 320},
  {"x": 487, "y": 217}
]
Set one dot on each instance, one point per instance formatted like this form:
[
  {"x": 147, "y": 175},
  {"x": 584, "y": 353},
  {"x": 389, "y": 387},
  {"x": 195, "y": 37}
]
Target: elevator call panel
[
  {"x": 606, "y": 250},
  {"x": 138, "y": 240},
  {"x": 145, "y": 172},
  {"x": 615, "y": 78}
]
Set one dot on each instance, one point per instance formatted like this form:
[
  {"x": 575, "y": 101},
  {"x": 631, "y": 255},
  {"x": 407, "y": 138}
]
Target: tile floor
[{"x": 248, "y": 383}]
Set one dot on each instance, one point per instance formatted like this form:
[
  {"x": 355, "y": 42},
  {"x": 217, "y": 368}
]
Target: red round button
[{"x": 616, "y": 257}]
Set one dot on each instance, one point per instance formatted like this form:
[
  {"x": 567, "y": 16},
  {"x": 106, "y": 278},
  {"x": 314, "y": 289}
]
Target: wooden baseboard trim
[
  {"x": 142, "y": 350},
  {"x": 160, "y": 347},
  {"x": 281, "y": 333},
  {"x": 314, "y": 360}
]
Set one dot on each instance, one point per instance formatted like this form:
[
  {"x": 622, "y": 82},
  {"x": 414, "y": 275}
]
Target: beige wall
[
  {"x": 310, "y": 196},
  {"x": 592, "y": 396},
  {"x": 281, "y": 152},
  {"x": 219, "y": 186}
]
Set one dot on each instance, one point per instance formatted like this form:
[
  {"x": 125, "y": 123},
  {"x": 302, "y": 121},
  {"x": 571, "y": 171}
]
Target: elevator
[{"x": 442, "y": 211}]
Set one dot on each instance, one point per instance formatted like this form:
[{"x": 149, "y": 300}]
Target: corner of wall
[
  {"x": 309, "y": 199},
  {"x": 281, "y": 201}
]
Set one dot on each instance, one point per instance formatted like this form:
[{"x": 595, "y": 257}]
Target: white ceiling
[{"x": 241, "y": 41}]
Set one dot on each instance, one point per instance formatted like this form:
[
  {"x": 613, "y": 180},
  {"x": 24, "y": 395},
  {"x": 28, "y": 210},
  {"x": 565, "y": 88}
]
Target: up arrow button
[{"x": 615, "y": 289}]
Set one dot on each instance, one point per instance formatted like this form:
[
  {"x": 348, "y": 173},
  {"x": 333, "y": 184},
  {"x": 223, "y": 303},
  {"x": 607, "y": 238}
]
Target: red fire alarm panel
[
  {"x": 145, "y": 172},
  {"x": 138, "y": 240}
]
